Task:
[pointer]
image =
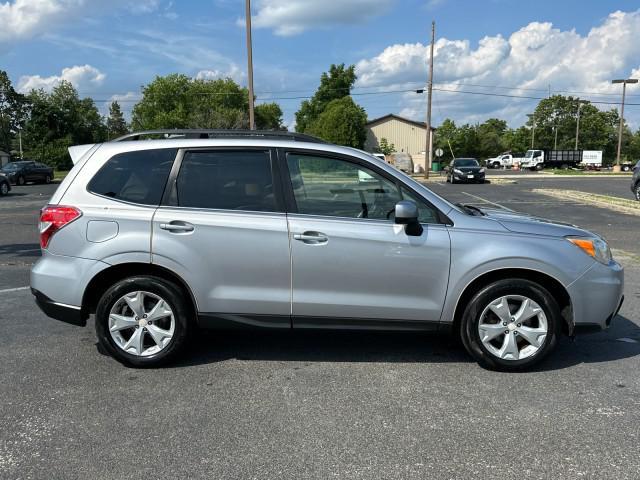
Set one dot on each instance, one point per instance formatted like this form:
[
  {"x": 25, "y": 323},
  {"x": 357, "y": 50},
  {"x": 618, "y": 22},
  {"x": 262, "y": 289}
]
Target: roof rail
[{"x": 210, "y": 134}]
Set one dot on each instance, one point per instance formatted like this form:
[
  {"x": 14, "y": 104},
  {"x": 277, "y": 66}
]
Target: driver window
[{"x": 338, "y": 188}]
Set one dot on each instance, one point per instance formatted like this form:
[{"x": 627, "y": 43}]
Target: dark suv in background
[
  {"x": 635, "y": 181},
  {"x": 25, "y": 171}
]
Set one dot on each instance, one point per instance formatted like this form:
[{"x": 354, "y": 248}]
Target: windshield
[
  {"x": 465, "y": 162},
  {"x": 529, "y": 154}
]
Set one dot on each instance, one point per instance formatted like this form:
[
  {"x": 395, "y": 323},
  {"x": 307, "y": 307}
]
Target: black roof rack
[{"x": 210, "y": 134}]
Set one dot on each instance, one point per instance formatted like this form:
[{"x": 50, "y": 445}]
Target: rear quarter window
[{"x": 136, "y": 177}]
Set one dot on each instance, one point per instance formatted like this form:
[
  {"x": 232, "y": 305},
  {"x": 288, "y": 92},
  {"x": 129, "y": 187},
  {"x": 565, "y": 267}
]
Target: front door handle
[
  {"x": 311, "y": 238},
  {"x": 177, "y": 227}
]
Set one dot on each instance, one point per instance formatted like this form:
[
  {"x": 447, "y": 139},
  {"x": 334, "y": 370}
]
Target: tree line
[{"x": 50, "y": 122}]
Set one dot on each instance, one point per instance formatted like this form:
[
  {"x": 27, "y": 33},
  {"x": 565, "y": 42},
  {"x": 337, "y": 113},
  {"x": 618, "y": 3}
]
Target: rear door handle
[
  {"x": 177, "y": 227},
  {"x": 311, "y": 238}
]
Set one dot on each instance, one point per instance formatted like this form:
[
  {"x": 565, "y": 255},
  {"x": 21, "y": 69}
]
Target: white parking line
[
  {"x": 488, "y": 201},
  {"x": 7, "y": 290}
]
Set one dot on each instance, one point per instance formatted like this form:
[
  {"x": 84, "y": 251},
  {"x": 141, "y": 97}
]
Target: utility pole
[
  {"x": 533, "y": 129},
  {"x": 252, "y": 123},
  {"x": 555, "y": 141},
  {"x": 20, "y": 141},
  {"x": 578, "y": 123},
  {"x": 624, "y": 82},
  {"x": 427, "y": 150}
]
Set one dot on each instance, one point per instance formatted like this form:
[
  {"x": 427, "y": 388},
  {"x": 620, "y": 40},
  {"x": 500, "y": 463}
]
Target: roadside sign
[{"x": 439, "y": 152}]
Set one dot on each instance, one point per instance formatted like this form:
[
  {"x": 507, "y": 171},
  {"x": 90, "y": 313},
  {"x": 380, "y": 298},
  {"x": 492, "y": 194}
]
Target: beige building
[
  {"x": 408, "y": 136},
  {"x": 4, "y": 158}
]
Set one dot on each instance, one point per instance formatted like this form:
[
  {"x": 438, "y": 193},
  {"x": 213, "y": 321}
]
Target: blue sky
[{"x": 520, "y": 48}]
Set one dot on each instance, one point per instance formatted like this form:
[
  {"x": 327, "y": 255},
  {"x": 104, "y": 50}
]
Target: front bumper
[
  {"x": 60, "y": 311},
  {"x": 597, "y": 296},
  {"x": 469, "y": 177}
]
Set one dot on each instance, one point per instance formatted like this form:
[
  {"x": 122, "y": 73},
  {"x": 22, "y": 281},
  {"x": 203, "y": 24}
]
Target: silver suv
[{"x": 192, "y": 229}]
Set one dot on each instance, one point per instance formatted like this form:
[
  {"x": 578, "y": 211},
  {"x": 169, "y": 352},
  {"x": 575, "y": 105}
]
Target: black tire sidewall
[
  {"x": 47, "y": 179},
  {"x": 636, "y": 191},
  {"x": 20, "y": 180},
  {"x": 4, "y": 190},
  {"x": 481, "y": 299},
  {"x": 169, "y": 293}
]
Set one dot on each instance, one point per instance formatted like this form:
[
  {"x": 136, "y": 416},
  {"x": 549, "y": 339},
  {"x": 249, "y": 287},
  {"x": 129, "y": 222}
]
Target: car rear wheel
[
  {"x": 511, "y": 325},
  {"x": 20, "y": 180},
  {"x": 636, "y": 191},
  {"x": 143, "y": 321},
  {"x": 4, "y": 188},
  {"x": 47, "y": 179}
]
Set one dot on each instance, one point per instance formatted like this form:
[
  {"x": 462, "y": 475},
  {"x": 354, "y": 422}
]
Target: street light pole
[
  {"x": 252, "y": 123},
  {"x": 624, "y": 82},
  {"x": 578, "y": 123},
  {"x": 555, "y": 141},
  {"x": 427, "y": 150}
]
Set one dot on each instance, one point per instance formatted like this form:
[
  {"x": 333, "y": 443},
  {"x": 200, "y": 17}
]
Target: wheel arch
[
  {"x": 546, "y": 281},
  {"x": 107, "y": 277}
]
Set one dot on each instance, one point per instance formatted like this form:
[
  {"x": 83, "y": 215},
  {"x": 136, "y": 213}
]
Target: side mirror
[{"x": 407, "y": 214}]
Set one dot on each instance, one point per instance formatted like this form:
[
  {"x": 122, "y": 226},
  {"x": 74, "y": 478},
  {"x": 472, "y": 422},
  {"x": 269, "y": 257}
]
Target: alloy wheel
[
  {"x": 4, "y": 189},
  {"x": 141, "y": 323},
  {"x": 513, "y": 327}
]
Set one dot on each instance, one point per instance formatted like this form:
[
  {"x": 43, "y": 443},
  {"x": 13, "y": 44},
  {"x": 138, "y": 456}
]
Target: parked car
[
  {"x": 465, "y": 170},
  {"x": 5, "y": 185},
  {"x": 25, "y": 171},
  {"x": 635, "y": 181},
  {"x": 277, "y": 230}
]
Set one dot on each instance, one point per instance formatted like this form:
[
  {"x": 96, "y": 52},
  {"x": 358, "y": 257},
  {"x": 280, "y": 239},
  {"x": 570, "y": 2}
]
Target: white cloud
[
  {"x": 534, "y": 57},
  {"x": 25, "y": 19},
  {"x": 291, "y": 17},
  {"x": 83, "y": 77},
  {"x": 234, "y": 72}
]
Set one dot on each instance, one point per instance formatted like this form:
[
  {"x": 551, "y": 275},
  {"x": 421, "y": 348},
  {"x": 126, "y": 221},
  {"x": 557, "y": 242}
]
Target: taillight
[{"x": 53, "y": 218}]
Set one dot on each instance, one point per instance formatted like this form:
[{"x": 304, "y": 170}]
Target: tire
[
  {"x": 636, "y": 191},
  {"x": 453, "y": 180},
  {"x": 172, "y": 330},
  {"x": 20, "y": 180},
  {"x": 539, "y": 167},
  {"x": 496, "y": 354},
  {"x": 4, "y": 189},
  {"x": 47, "y": 179}
]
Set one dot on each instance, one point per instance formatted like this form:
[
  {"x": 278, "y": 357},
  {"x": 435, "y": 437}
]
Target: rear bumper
[
  {"x": 597, "y": 297},
  {"x": 60, "y": 311}
]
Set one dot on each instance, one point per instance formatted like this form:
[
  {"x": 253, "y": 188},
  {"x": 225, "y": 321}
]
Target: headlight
[
  {"x": 459, "y": 172},
  {"x": 593, "y": 246},
  {"x": 482, "y": 170}
]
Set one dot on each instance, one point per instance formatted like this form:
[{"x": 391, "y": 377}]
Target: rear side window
[
  {"x": 137, "y": 177},
  {"x": 228, "y": 180}
]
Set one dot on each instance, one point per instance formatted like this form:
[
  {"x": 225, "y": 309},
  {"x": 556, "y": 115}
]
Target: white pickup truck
[{"x": 505, "y": 160}]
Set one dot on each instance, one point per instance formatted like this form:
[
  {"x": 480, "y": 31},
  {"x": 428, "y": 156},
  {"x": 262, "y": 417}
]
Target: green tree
[
  {"x": 342, "y": 122},
  {"x": 334, "y": 85},
  {"x": 58, "y": 120},
  {"x": 13, "y": 111},
  {"x": 491, "y": 135},
  {"x": 446, "y": 135},
  {"x": 268, "y": 116},
  {"x": 178, "y": 101},
  {"x": 385, "y": 147},
  {"x": 116, "y": 124},
  {"x": 517, "y": 140}
]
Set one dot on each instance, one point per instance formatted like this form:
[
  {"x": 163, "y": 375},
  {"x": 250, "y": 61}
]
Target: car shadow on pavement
[
  {"x": 21, "y": 249},
  {"x": 393, "y": 347}
]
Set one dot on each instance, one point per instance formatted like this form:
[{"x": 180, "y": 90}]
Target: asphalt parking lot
[{"x": 320, "y": 405}]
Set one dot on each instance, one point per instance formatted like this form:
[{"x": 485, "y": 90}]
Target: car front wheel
[
  {"x": 143, "y": 321},
  {"x": 4, "y": 189},
  {"x": 511, "y": 325}
]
